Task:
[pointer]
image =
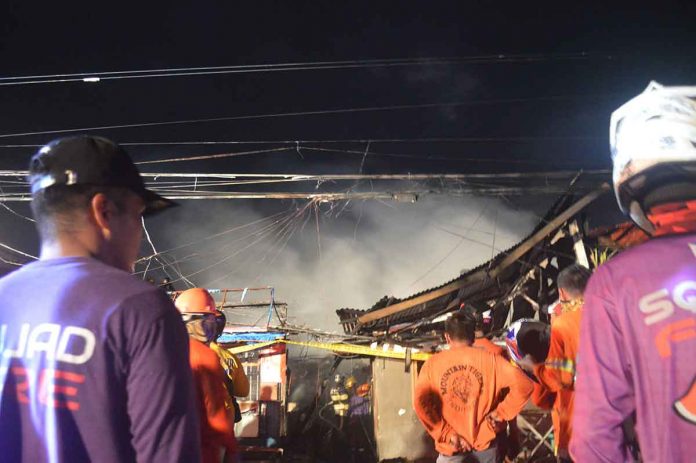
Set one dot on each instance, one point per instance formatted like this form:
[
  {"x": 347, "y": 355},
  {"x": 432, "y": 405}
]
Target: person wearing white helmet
[{"x": 638, "y": 331}]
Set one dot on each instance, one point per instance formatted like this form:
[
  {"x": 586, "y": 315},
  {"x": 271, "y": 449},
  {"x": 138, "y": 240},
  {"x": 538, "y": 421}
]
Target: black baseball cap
[{"x": 90, "y": 160}]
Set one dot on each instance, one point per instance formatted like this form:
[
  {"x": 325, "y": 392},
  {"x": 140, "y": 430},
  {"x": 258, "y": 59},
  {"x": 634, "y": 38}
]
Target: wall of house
[{"x": 398, "y": 433}]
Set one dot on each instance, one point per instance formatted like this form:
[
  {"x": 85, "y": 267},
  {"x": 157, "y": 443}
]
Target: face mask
[{"x": 202, "y": 328}]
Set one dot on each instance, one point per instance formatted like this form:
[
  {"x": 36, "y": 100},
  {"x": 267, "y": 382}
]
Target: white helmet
[{"x": 653, "y": 148}]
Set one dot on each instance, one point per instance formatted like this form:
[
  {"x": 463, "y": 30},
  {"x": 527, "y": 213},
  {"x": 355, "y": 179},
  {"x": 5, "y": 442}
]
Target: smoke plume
[{"x": 321, "y": 257}]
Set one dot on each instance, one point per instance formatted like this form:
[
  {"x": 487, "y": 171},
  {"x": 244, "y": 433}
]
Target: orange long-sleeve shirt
[
  {"x": 542, "y": 397},
  {"x": 557, "y": 374},
  {"x": 457, "y": 388},
  {"x": 558, "y": 371},
  {"x": 214, "y": 405}
]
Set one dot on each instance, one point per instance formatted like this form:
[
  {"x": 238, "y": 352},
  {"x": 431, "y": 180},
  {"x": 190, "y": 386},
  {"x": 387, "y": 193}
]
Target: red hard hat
[{"x": 195, "y": 300}]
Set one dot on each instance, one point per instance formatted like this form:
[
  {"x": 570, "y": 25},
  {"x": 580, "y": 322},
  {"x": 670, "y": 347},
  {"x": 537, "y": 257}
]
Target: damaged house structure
[{"x": 519, "y": 282}]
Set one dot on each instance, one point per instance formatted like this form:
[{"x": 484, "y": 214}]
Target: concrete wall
[{"x": 398, "y": 432}]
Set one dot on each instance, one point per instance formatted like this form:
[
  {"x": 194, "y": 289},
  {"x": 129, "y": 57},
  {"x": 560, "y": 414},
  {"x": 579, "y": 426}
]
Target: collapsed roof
[{"x": 516, "y": 283}]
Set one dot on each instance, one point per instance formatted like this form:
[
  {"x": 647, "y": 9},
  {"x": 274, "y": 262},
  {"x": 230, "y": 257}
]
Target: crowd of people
[
  {"x": 615, "y": 365},
  {"x": 100, "y": 367}
]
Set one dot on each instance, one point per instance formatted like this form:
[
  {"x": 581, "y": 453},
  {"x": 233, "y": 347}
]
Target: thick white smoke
[{"x": 360, "y": 254}]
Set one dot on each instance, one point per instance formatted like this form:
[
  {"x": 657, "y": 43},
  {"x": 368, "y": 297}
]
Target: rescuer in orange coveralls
[
  {"x": 215, "y": 406},
  {"x": 557, "y": 373}
]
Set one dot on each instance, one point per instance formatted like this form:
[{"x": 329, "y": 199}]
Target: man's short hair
[
  {"x": 55, "y": 208},
  {"x": 574, "y": 279},
  {"x": 461, "y": 326},
  {"x": 534, "y": 338}
]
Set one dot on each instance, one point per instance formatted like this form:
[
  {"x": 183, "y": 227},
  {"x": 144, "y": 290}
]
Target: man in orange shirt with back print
[{"x": 457, "y": 391}]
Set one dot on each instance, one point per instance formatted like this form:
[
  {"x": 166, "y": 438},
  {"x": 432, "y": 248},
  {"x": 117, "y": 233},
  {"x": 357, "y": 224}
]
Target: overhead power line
[
  {"x": 454, "y": 157},
  {"x": 213, "y": 156},
  {"x": 396, "y": 195},
  {"x": 559, "y": 174},
  {"x": 311, "y": 113},
  {"x": 21, "y": 253},
  {"x": 514, "y": 183},
  {"x": 94, "y": 77},
  {"x": 344, "y": 140}
]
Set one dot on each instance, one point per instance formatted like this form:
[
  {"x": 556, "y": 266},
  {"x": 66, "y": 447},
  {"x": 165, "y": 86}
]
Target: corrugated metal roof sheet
[{"x": 488, "y": 288}]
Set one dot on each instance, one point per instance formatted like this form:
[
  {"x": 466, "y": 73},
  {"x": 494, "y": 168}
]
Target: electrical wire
[
  {"x": 506, "y": 139},
  {"x": 260, "y": 237},
  {"x": 425, "y": 156},
  {"x": 18, "y": 251},
  {"x": 12, "y": 211},
  {"x": 451, "y": 251},
  {"x": 293, "y": 219},
  {"x": 11, "y": 262},
  {"x": 218, "y": 249},
  {"x": 215, "y": 235},
  {"x": 152, "y": 245},
  {"x": 493, "y": 101},
  {"x": 272, "y": 235},
  {"x": 278, "y": 67},
  {"x": 212, "y": 156},
  {"x": 281, "y": 248}
]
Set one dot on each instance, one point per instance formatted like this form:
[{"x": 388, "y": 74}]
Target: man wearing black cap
[{"x": 93, "y": 362}]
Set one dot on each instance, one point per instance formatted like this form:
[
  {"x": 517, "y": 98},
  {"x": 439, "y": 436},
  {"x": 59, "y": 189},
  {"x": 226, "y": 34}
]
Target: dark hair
[
  {"x": 476, "y": 314},
  {"x": 54, "y": 207},
  {"x": 461, "y": 326},
  {"x": 534, "y": 338},
  {"x": 574, "y": 279}
]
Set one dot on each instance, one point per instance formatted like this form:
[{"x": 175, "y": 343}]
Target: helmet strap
[{"x": 638, "y": 216}]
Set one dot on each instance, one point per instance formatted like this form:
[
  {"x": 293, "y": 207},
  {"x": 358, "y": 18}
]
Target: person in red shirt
[
  {"x": 556, "y": 373},
  {"x": 216, "y": 410},
  {"x": 457, "y": 395}
]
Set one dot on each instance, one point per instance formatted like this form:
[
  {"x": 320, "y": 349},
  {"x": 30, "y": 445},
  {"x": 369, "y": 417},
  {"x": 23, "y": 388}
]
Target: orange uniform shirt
[
  {"x": 214, "y": 405},
  {"x": 489, "y": 345},
  {"x": 457, "y": 388},
  {"x": 542, "y": 397},
  {"x": 557, "y": 374}
]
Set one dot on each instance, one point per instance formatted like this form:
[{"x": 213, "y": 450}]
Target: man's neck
[
  {"x": 459, "y": 344},
  {"x": 61, "y": 248}
]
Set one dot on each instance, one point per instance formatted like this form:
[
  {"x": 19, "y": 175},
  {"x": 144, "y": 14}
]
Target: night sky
[
  {"x": 626, "y": 47},
  {"x": 546, "y": 113}
]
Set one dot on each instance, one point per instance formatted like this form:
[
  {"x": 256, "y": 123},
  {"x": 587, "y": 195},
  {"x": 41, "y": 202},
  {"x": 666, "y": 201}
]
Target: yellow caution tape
[
  {"x": 250, "y": 347},
  {"x": 341, "y": 348}
]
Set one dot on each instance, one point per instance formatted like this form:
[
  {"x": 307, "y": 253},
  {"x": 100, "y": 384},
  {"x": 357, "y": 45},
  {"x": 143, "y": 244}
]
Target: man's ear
[
  {"x": 563, "y": 294},
  {"x": 102, "y": 210},
  {"x": 448, "y": 338}
]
